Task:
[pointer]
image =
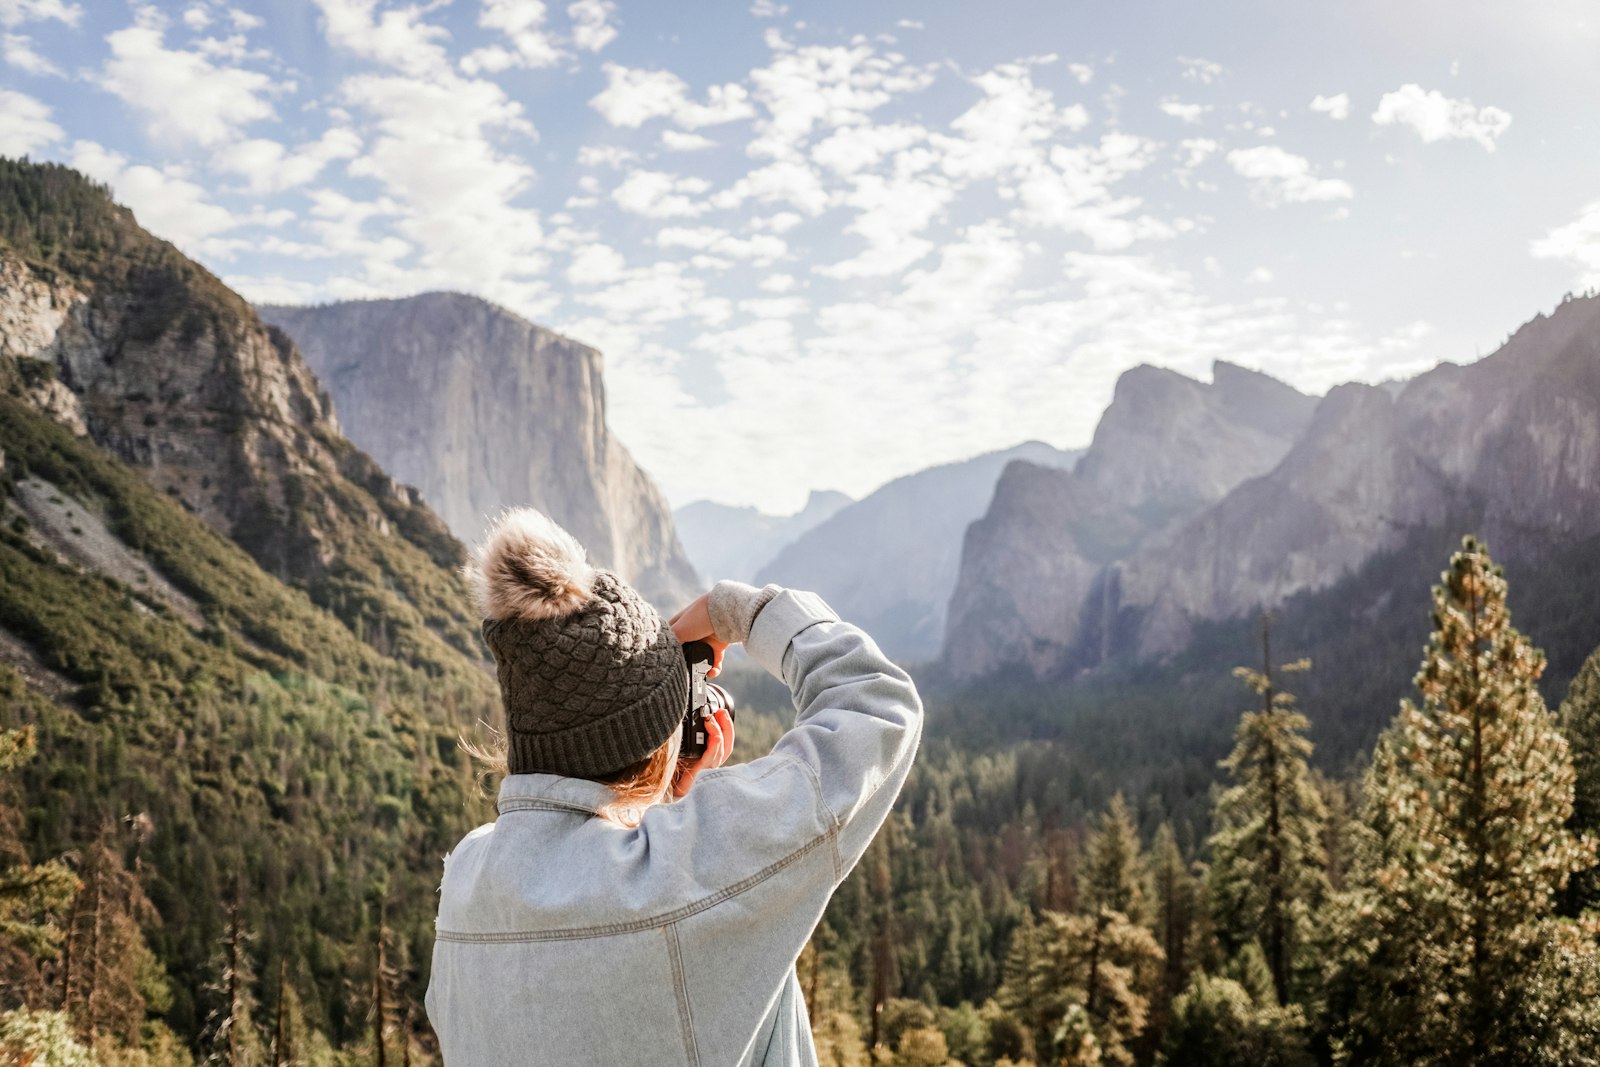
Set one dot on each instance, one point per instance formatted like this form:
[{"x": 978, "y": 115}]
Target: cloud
[
  {"x": 398, "y": 38},
  {"x": 605, "y": 155},
  {"x": 244, "y": 21},
  {"x": 634, "y": 96},
  {"x": 1073, "y": 192},
  {"x": 1436, "y": 117},
  {"x": 522, "y": 23},
  {"x": 787, "y": 182},
  {"x": 1002, "y": 132},
  {"x": 18, "y": 51},
  {"x": 761, "y": 250},
  {"x": 182, "y": 95},
  {"x": 768, "y": 9},
  {"x": 1277, "y": 176},
  {"x": 1185, "y": 112},
  {"x": 1200, "y": 70},
  {"x": 1083, "y": 72},
  {"x": 270, "y": 167},
  {"x": 657, "y": 195},
  {"x": 1335, "y": 107},
  {"x": 25, "y": 125},
  {"x": 827, "y": 86},
  {"x": 1578, "y": 243},
  {"x": 678, "y": 141},
  {"x": 591, "y": 25},
  {"x": 16, "y": 12}
]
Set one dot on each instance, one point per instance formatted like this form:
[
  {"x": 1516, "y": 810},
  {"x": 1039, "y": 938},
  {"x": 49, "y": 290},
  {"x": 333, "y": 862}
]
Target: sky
[{"x": 823, "y": 245}]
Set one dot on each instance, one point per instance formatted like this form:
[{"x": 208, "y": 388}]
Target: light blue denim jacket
[{"x": 562, "y": 939}]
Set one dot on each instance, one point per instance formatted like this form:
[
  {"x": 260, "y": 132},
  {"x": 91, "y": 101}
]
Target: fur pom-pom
[{"x": 527, "y": 567}]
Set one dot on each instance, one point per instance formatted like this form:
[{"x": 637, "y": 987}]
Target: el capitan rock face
[
  {"x": 1508, "y": 447},
  {"x": 480, "y": 410}
]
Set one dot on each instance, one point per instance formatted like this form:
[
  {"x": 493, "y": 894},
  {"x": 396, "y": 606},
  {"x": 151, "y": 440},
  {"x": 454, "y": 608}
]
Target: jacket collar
[{"x": 520, "y": 792}]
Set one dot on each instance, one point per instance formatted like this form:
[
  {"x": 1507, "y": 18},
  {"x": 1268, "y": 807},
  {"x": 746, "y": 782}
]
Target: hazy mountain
[
  {"x": 481, "y": 409},
  {"x": 1508, "y": 447},
  {"x": 730, "y": 542},
  {"x": 1030, "y": 587},
  {"x": 888, "y": 562}
]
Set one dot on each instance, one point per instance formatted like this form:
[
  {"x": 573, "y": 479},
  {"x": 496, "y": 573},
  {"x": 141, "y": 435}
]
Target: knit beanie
[{"x": 592, "y": 678}]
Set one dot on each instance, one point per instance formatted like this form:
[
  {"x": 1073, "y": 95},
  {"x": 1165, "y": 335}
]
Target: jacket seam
[
  {"x": 578, "y": 933},
  {"x": 691, "y": 1048}
]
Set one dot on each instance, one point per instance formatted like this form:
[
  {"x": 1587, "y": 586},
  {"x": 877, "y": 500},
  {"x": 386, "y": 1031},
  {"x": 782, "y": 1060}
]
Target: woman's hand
[
  {"x": 693, "y": 623},
  {"x": 719, "y": 746}
]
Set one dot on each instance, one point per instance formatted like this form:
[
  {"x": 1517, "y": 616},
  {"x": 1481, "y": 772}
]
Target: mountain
[
  {"x": 888, "y": 562},
  {"x": 242, "y": 647},
  {"x": 1507, "y": 447},
  {"x": 481, "y": 410},
  {"x": 1033, "y": 586},
  {"x": 728, "y": 542}
]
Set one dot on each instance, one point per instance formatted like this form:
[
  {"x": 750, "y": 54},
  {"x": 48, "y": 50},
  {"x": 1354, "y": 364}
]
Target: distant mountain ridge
[
  {"x": 1057, "y": 578},
  {"x": 724, "y": 541},
  {"x": 888, "y": 562},
  {"x": 482, "y": 410}
]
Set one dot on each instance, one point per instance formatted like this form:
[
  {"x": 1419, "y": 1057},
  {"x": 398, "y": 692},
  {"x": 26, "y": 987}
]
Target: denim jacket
[{"x": 562, "y": 939}]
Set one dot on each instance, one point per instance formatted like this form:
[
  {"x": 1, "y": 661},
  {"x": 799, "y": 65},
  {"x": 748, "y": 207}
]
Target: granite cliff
[
  {"x": 480, "y": 410},
  {"x": 1033, "y": 578},
  {"x": 1058, "y": 578}
]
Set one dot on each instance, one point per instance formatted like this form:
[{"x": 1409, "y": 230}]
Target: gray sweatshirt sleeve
[{"x": 858, "y": 721}]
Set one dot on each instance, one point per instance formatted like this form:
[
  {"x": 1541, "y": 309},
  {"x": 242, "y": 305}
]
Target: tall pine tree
[
  {"x": 1463, "y": 849},
  {"x": 1268, "y": 866}
]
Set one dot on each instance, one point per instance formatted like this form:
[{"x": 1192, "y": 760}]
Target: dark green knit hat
[{"x": 593, "y": 679}]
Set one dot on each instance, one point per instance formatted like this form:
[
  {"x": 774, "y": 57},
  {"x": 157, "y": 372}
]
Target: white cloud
[
  {"x": 826, "y": 86},
  {"x": 1578, "y": 243},
  {"x": 678, "y": 141},
  {"x": 595, "y": 264},
  {"x": 1081, "y": 71},
  {"x": 1190, "y": 113},
  {"x": 165, "y": 201},
  {"x": 1200, "y": 70},
  {"x": 891, "y": 213},
  {"x": 777, "y": 283},
  {"x": 591, "y": 25},
  {"x": 785, "y": 182},
  {"x": 605, "y": 155},
  {"x": 270, "y": 167},
  {"x": 182, "y": 95},
  {"x": 1436, "y": 117},
  {"x": 634, "y": 96},
  {"x": 18, "y": 51},
  {"x": 1259, "y": 276},
  {"x": 16, "y": 12},
  {"x": 1277, "y": 176},
  {"x": 522, "y": 23},
  {"x": 196, "y": 17},
  {"x": 434, "y": 151},
  {"x": 244, "y": 21},
  {"x": 1001, "y": 133},
  {"x": 855, "y": 148},
  {"x": 762, "y": 249},
  {"x": 910, "y": 24},
  {"x": 768, "y": 9},
  {"x": 397, "y": 38},
  {"x": 657, "y": 195},
  {"x": 1335, "y": 107},
  {"x": 25, "y": 125},
  {"x": 1073, "y": 192}
]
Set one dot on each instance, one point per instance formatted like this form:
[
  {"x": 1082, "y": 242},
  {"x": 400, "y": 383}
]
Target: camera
[{"x": 706, "y": 698}]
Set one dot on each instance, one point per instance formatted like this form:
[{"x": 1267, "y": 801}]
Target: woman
[{"x": 597, "y": 921}]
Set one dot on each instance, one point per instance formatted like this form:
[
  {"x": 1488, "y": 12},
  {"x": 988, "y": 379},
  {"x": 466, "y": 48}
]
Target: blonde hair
[{"x": 636, "y": 787}]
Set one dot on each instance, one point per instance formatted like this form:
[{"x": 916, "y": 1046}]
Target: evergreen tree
[
  {"x": 1112, "y": 874},
  {"x": 230, "y": 1037},
  {"x": 1580, "y": 723},
  {"x": 1216, "y": 1023},
  {"x": 1464, "y": 847},
  {"x": 1176, "y": 900},
  {"x": 1268, "y": 865}
]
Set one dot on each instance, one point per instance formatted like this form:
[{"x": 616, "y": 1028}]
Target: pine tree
[
  {"x": 230, "y": 1036},
  {"x": 1112, "y": 873},
  {"x": 34, "y": 898},
  {"x": 1462, "y": 852},
  {"x": 1176, "y": 900},
  {"x": 1268, "y": 866}
]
